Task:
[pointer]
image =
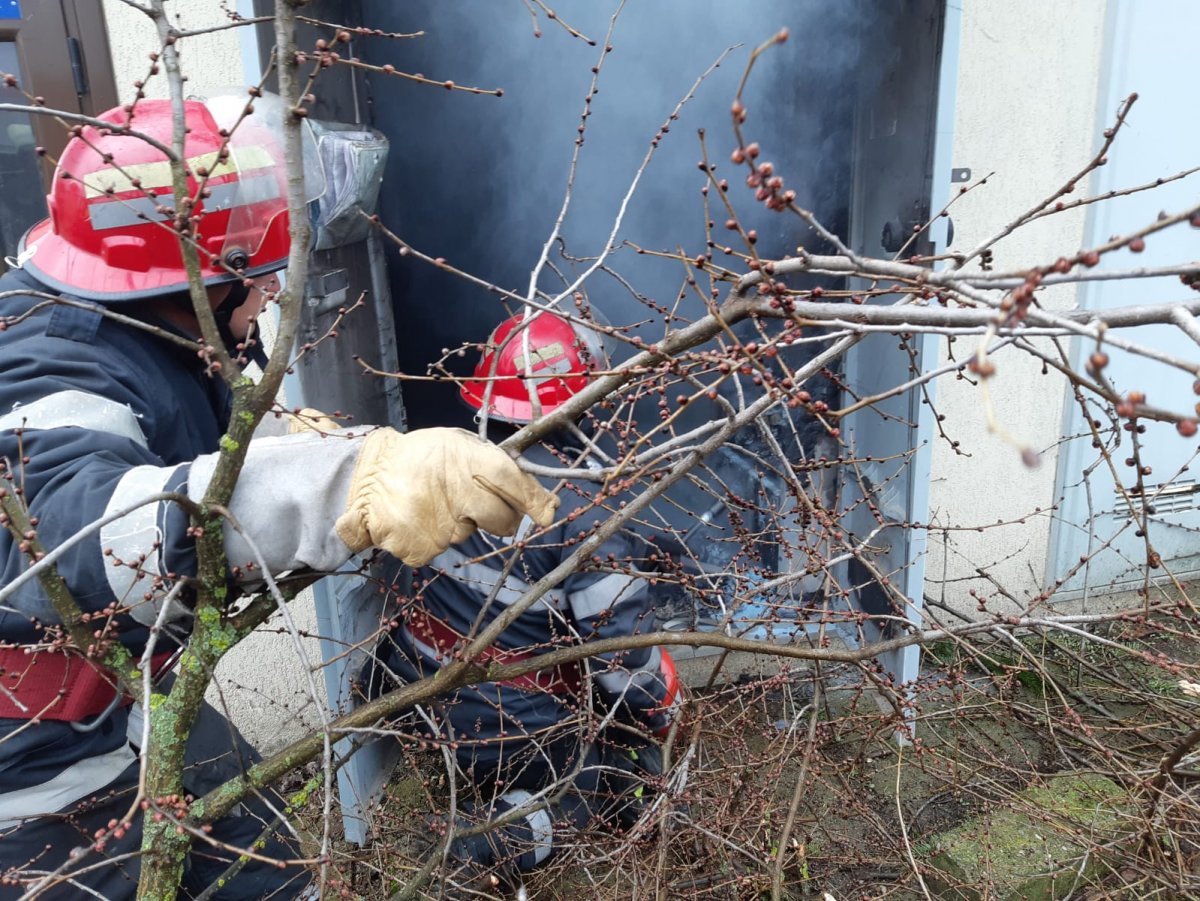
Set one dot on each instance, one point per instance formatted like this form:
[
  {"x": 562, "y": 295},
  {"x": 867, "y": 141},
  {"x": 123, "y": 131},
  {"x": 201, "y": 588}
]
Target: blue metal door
[
  {"x": 1160, "y": 139},
  {"x": 902, "y": 175}
]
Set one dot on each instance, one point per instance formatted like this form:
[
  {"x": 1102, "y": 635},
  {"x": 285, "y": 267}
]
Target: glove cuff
[{"x": 353, "y": 526}]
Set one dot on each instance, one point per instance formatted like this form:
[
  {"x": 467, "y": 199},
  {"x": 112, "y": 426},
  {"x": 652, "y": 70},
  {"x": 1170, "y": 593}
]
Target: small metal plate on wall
[{"x": 328, "y": 290}]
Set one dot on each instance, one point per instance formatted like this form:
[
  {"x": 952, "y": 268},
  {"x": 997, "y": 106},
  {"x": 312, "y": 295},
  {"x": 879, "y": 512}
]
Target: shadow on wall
[{"x": 480, "y": 180}]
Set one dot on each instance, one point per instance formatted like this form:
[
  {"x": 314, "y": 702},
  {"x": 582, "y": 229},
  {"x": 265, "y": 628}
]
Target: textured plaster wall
[
  {"x": 1026, "y": 110},
  {"x": 209, "y": 60},
  {"x": 261, "y": 683}
]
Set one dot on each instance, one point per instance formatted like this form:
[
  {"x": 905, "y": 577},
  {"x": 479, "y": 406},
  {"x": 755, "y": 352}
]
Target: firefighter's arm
[
  {"x": 308, "y": 501},
  {"x": 83, "y": 428},
  {"x": 641, "y": 681}
]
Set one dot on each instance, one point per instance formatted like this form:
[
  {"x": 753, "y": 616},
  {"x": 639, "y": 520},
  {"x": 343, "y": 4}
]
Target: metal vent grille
[{"x": 1165, "y": 499}]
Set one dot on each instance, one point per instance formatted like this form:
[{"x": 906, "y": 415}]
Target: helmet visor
[{"x": 251, "y": 184}]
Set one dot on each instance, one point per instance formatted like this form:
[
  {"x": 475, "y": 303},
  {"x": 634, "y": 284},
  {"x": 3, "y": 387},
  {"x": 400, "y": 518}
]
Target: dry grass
[{"x": 989, "y": 720}]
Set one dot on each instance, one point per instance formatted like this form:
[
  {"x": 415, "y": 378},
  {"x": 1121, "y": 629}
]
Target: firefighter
[
  {"x": 515, "y": 738},
  {"x": 98, "y": 414}
]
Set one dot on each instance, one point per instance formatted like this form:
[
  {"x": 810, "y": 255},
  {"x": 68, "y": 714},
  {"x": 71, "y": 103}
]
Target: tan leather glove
[
  {"x": 417, "y": 493},
  {"x": 310, "y": 420}
]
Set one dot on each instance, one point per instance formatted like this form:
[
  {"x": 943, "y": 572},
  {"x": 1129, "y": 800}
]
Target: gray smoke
[{"x": 479, "y": 180}]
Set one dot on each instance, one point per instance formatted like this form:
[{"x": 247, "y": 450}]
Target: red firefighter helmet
[
  {"x": 534, "y": 360},
  {"x": 109, "y": 235}
]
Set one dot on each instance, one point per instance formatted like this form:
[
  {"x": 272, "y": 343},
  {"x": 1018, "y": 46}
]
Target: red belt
[
  {"x": 435, "y": 634},
  {"x": 52, "y": 685}
]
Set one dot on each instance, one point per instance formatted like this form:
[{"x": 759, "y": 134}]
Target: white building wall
[
  {"x": 1026, "y": 111},
  {"x": 213, "y": 60}
]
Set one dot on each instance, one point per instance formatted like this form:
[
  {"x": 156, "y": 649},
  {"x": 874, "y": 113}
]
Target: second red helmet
[{"x": 535, "y": 362}]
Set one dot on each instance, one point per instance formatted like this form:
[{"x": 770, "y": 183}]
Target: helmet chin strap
[{"x": 238, "y": 294}]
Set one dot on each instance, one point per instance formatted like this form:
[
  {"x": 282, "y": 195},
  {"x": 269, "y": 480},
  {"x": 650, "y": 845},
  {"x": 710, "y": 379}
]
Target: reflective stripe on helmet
[
  {"x": 119, "y": 213},
  {"x": 544, "y": 357},
  {"x": 151, "y": 176}
]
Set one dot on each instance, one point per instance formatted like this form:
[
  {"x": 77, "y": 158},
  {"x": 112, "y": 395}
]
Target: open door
[{"x": 901, "y": 178}]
